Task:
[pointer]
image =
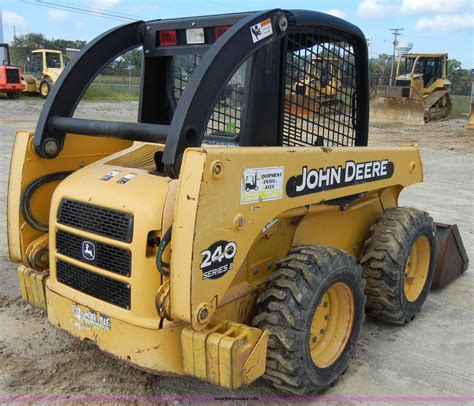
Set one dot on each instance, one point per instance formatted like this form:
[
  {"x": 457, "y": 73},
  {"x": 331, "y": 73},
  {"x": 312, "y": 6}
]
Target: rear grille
[
  {"x": 13, "y": 75},
  {"x": 113, "y": 259},
  {"x": 97, "y": 220},
  {"x": 90, "y": 283}
]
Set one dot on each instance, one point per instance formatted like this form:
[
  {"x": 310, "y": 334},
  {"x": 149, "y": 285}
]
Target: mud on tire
[
  {"x": 386, "y": 254},
  {"x": 286, "y": 309}
]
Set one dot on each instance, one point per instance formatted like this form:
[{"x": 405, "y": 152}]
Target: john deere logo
[{"x": 88, "y": 250}]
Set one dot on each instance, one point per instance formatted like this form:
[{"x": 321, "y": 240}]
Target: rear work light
[
  {"x": 218, "y": 31},
  {"x": 195, "y": 36},
  {"x": 168, "y": 37}
]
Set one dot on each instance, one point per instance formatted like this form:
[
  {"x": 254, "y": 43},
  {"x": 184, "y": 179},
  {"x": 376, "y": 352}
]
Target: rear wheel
[
  {"x": 313, "y": 309},
  {"x": 13, "y": 95},
  {"x": 398, "y": 264},
  {"x": 45, "y": 88}
]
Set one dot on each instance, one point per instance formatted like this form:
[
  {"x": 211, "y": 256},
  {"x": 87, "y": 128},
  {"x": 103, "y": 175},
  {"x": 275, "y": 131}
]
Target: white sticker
[
  {"x": 126, "y": 178},
  {"x": 269, "y": 225},
  {"x": 261, "y": 184},
  {"x": 90, "y": 320},
  {"x": 261, "y": 30},
  {"x": 110, "y": 175}
]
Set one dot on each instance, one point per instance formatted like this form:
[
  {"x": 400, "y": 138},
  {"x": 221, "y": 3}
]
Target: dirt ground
[{"x": 432, "y": 356}]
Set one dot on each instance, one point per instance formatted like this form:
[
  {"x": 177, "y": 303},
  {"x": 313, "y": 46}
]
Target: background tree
[{"x": 22, "y": 45}]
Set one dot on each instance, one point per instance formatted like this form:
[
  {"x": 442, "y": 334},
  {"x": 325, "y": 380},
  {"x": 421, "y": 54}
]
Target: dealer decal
[
  {"x": 218, "y": 259},
  {"x": 352, "y": 173},
  {"x": 88, "y": 319},
  {"x": 261, "y": 184}
]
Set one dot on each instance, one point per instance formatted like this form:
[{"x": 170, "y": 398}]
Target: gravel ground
[{"x": 432, "y": 356}]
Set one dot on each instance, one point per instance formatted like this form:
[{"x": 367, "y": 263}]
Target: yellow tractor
[
  {"x": 219, "y": 236},
  {"x": 316, "y": 92},
  {"x": 420, "y": 94},
  {"x": 45, "y": 66}
]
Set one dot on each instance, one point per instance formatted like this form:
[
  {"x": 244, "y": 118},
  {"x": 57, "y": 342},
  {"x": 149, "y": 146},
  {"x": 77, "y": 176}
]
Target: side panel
[
  {"x": 220, "y": 213},
  {"x": 345, "y": 229},
  {"x": 26, "y": 166}
]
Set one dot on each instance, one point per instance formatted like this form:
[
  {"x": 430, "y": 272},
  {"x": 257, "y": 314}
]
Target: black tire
[
  {"x": 384, "y": 263},
  {"x": 45, "y": 83},
  {"x": 13, "y": 95},
  {"x": 286, "y": 310}
]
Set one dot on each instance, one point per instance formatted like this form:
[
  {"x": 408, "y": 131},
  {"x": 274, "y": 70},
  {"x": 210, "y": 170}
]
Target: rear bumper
[
  {"x": 12, "y": 87},
  {"x": 154, "y": 350}
]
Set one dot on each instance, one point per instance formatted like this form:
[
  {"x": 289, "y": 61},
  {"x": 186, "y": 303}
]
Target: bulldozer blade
[
  {"x": 470, "y": 124},
  {"x": 452, "y": 259},
  {"x": 397, "y": 110},
  {"x": 302, "y": 106}
]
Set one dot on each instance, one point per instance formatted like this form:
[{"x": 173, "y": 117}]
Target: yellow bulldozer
[
  {"x": 317, "y": 90},
  {"x": 45, "y": 66},
  {"x": 420, "y": 94},
  {"x": 220, "y": 236}
]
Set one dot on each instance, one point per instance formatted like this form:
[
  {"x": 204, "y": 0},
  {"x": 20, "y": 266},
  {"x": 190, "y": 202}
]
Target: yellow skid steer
[{"x": 222, "y": 236}]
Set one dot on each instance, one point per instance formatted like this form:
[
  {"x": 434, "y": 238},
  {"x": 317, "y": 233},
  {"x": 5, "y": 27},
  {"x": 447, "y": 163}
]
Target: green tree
[
  {"x": 22, "y": 45},
  {"x": 460, "y": 78}
]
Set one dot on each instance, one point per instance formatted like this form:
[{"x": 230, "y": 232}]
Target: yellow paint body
[{"x": 204, "y": 328}]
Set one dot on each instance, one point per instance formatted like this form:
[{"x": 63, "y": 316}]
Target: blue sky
[{"x": 432, "y": 25}]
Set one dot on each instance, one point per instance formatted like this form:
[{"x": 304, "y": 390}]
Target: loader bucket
[
  {"x": 402, "y": 110},
  {"x": 452, "y": 258}
]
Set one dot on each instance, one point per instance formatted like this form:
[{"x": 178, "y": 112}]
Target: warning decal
[
  {"x": 261, "y": 30},
  {"x": 261, "y": 184}
]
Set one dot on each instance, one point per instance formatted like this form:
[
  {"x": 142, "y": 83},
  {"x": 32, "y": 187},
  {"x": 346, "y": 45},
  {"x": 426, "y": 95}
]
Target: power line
[{"x": 81, "y": 10}]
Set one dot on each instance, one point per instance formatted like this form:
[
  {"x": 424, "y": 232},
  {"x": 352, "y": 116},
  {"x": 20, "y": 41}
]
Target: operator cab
[
  {"x": 226, "y": 79},
  {"x": 430, "y": 67}
]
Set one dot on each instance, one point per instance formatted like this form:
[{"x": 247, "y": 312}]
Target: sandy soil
[{"x": 432, "y": 356}]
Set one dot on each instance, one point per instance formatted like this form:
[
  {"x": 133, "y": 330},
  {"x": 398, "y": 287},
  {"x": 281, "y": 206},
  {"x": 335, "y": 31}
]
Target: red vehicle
[{"x": 10, "y": 76}]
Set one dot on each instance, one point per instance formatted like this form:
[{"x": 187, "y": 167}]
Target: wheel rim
[
  {"x": 332, "y": 325},
  {"x": 416, "y": 268},
  {"x": 44, "y": 89}
]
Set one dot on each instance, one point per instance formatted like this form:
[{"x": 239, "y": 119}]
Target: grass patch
[
  {"x": 113, "y": 88},
  {"x": 461, "y": 105},
  {"x": 111, "y": 93}
]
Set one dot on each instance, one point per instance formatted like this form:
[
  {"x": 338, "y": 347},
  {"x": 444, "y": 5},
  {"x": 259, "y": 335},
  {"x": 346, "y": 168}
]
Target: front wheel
[
  {"x": 45, "y": 88},
  {"x": 313, "y": 309},
  {"x": 398, "y": 264}
]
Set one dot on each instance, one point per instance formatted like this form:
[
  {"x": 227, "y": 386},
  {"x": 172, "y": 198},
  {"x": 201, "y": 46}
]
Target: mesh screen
[
  {"x": 225, "y": 119},
  {"x": 320, "y": 84}
]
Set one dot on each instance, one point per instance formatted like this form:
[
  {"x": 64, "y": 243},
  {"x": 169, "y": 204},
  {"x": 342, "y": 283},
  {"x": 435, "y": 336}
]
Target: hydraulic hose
[
  {"x": 160, "y": 264},
  {"x": 25, "y": 204}
]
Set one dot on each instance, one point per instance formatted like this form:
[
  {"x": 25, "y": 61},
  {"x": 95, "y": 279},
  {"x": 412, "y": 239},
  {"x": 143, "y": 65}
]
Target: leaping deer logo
[{"x": 88, "y": 250}]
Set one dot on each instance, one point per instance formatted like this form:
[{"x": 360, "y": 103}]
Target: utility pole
[
  {"x": 2, "y": 51},
  {"x": 396, "y": 33}
]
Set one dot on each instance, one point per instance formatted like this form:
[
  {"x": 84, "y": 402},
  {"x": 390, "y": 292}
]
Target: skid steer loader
[
  {"x": 420, "y": 94},
  {"x": 221, "y": 236}
]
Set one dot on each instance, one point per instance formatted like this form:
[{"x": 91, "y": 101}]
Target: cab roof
[{"x": 423, "y": 55}]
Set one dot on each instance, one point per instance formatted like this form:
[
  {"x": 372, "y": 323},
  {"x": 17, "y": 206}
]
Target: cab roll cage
[{"x": 183, "y": 125}]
